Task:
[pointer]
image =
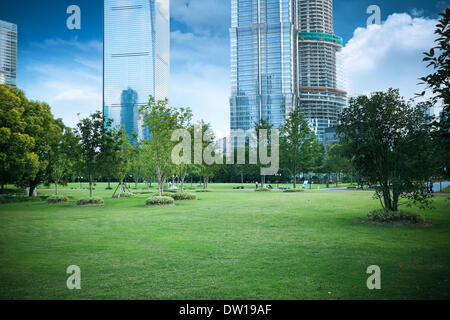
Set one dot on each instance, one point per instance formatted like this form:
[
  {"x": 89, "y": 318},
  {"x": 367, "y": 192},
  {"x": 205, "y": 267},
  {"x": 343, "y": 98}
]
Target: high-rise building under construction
[
  {"x": 271, "y": 74},
  {"x": 321, "y": 93}
]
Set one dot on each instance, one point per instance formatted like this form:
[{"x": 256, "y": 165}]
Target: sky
[{"x": 64, "y": 67}]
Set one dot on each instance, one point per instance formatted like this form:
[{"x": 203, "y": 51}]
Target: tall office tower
[
  {"x": 321, "y": 96},
  {"x": 264, "y": 76},
  {"x": 136, "y": 57},
  {"x": 8, "y": 53}
]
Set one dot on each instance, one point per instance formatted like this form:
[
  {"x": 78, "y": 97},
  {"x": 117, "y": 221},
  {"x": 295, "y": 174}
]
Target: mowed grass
[{"x": 228, "y": 244}]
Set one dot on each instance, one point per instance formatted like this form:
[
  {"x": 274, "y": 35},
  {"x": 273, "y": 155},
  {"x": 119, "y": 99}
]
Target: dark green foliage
[
  {"x": 57, "y": 199},
  {"x": 10, "y": 199},
  {"x": 159, "y": 201},
  {"x": 386, "y": 216},
  {"x": 438, "y": 82},
  {"x": 263, "y": 190},
  {"x": 388, "y": 141},
  {"x": 180, "y": 196},
  {"x": 298, "y": 145},
  {"x": 294, "y": 190},
  {"x": 94, "y": 201},
  {"x": 125, "y": 195}
]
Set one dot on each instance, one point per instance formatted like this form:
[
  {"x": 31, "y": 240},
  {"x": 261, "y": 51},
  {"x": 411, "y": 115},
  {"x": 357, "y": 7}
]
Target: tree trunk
[
  {"x": 242, "y": 177},
  {"x": 90, "y": 185},
  {"x": 182, "y": 185},
  {"x": 3, "y": 188},
  {"x": 56, "y": 187},
  {"x": 136, "y": 183},
  {"x": 295, "y": 181},
  {"x": 33, "y": 185},
  {"x": 109, "y": 183}
]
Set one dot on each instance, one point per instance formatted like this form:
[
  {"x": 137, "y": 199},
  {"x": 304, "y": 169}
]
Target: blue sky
[{"x": 64, "y": 67}]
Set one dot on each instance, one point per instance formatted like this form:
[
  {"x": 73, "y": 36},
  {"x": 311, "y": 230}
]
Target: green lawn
[{"x": 228, "y": 244}]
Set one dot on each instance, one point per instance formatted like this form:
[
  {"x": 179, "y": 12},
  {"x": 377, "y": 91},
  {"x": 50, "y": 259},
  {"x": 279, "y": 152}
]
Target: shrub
[
  {"x": 10, "y": 199},
  {"x": 167, "y": 194},
  {"x": 183, "y": 196},
  {"x": 294, "y": 190},
  {"x": 143, "y": 192},
  {"x": 158, "y": 201},
  {"x": 204, "y": 190},
  {"x": 57, "y": 199},
  {"x": 382, "y": 215},
  {"x": 94, "y": 201},
  {"x": 263, "y": 189},
  {"x": 125, "y": 195}
]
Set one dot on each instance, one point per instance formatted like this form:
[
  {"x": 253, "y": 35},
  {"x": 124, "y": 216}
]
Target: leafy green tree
[
  {"x": 63, "y": 156},
  {"x": 18, "y": 160},
  {"x": 439, "y": 83},
  {"x": 161, "y": 120},
  {"x": 122, "y": 152},
  {"x": 262, "y": 124},
  {"x": 91, "y": 133},
  {"x": 297, "y": 144},
  {"x": 389, "y": 141},
  {"x": 204, "y": 170},
  {"x": 184, "y": 167},
  {"x": 336, "y": 162},
  {"x": 137, "y": 162},
  {"x": 47, "y": 134}
]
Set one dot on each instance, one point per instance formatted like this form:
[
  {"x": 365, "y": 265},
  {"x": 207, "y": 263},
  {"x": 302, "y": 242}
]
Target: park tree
[
  {"x": 91, "y": 134},
  {"x": 297, "y": 144},
  {"x": 389, "y": 142},
  {"x": 438, "y": 82},
  {"x": 47, "y": 133},
  {"x": 209, "y": 149},
  {"x": 186, "y": 164},
  {"x": 335, "y": 161},
  {"x": 262, "y": 124},
  {"x": 138, "y": 164},
  {"x": 161, "y": 120},
  {"x": 63, "y": 156},
  {"x": 18, "y": 160},
  {"x": 122, "y": 151}
]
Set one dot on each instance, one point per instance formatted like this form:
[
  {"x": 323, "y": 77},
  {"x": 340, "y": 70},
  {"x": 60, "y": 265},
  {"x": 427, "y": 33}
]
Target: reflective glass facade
[
  {"x": 8, "y": 53},
  {"x": 264, "y": 76},
  {"x": 135, "y": 59}
]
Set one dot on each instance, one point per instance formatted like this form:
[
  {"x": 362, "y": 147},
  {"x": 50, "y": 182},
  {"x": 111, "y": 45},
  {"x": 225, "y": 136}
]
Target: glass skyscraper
[
  {"x": 8, "y": 53},
  {"x": 135, "y": 59},
  {"x": 264, "y": 73}
]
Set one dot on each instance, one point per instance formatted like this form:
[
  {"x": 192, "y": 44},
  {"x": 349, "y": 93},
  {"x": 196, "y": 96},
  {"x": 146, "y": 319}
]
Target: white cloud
[
  {"x": 202, "y": 16},
  {"x": 200, "y": 77},
  {"x": 70, "y": 82},
  {"x": 388, "y": 55}
]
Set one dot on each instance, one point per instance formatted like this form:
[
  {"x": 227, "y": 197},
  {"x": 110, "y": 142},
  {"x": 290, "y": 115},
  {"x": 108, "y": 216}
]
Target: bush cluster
[
  {"x": 204, "y": 190},
  {"x": 125, "y": 195},
  {"x": 57, "y": 199},
  {"x": 180, "y": 196},
  {"x": 263, "y": 189},
  {"x": 382, "y": 215},
  {"x": 143, "y": 192},
  {"x": 159, "y": 201},
  {"x": 9, "y": 199},
  {"x": 294, "y": 190},
  {"x": 94, "y": 201}
]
